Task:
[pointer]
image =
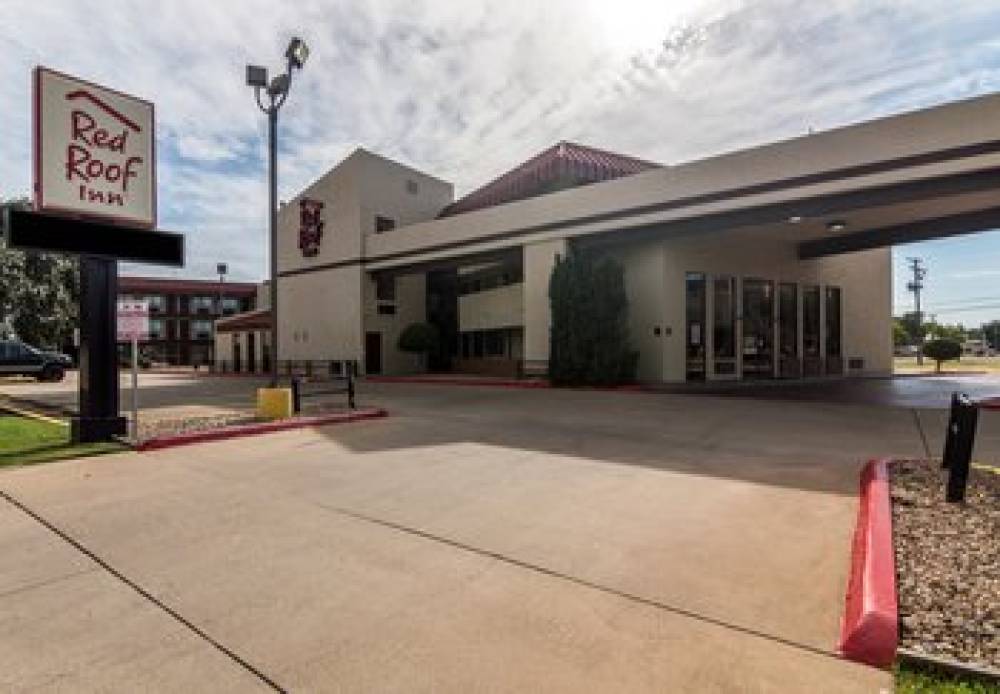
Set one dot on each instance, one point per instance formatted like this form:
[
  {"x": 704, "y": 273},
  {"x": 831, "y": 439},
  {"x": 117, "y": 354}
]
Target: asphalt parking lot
[{"x": 478, "y": 538}]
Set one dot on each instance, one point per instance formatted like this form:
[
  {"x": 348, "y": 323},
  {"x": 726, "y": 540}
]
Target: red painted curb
[
  {"x": 870, "y": 627},
  {"x": 239, "y": 430},
  {"x": 446, "y": 381},
  {"x": 504, "y": 383}
]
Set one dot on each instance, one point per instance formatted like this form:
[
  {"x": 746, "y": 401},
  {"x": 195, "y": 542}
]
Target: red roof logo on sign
[
  {"x": 82, "y": 94},
  {"x": 93, "y": 154}
]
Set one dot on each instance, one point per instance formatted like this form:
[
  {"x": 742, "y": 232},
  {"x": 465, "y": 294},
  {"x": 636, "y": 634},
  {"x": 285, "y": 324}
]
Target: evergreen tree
[{"x": 589, "y": 339}]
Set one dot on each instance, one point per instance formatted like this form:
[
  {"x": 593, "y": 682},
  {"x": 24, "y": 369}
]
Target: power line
[{"x": 916, "y": 285}]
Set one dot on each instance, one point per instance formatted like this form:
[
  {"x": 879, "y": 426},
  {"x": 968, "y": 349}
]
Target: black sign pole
[
  {"x": 99, "y": 418},
  {"x": 99, "y": 245}
]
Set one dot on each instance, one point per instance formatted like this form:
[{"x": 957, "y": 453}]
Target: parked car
[{"x": 20, "y": 359}]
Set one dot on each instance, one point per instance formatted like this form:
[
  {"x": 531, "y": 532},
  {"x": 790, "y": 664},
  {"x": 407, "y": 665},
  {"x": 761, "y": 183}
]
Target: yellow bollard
[{"x": 274, "y": 403}]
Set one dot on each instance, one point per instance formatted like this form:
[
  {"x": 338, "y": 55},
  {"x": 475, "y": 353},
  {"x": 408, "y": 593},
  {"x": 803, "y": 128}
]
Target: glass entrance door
[
  {"x": 758, "y": 329},
  {"x": 788, "y": 330},
  {"x": 695, "y": 334}
]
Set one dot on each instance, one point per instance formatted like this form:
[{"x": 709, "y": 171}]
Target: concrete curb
[
  {"x": 949, "y": 666},
  {"x": 240, "y": 430},
  {"x": 870, "y": 627},
  {"x": 7, "y": 407}
]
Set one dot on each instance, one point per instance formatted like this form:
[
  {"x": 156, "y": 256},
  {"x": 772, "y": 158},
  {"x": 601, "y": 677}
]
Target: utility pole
[{"x": 915, "y": 286}]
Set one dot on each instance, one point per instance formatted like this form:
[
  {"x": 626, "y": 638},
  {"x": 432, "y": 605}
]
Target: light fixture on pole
[
  {"x": 221, "y": 269},
  {"x": 276, "y": 91}
]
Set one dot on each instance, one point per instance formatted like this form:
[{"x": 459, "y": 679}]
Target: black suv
[{"x": 19, "y": 359}]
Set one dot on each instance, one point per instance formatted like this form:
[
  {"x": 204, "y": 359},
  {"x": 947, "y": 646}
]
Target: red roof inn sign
[
  {"x": 95, "y": 176},
  {"x": 94, "y": 151}
]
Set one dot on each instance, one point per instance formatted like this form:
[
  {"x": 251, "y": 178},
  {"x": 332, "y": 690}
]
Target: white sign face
[
  {"x": 94, "y": 151},
  {"x": 133, "y": 321}
]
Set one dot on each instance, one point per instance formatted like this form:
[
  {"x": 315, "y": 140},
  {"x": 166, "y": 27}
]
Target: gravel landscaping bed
[
  {"x": 947, "y": 563},
  {"x": 150, "y": 428}
]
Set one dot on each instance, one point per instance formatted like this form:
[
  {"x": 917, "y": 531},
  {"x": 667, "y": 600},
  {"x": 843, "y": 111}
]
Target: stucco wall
[
  {"x": 643, "y": 265},
  {"x": 320, "y": 315},
  {"x": 501, "y": 307},
  {"x": 539, "y": 259}
]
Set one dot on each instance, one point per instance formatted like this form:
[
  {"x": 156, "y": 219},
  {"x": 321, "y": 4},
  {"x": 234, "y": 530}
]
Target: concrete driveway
[{"x": 477, "y": 539}]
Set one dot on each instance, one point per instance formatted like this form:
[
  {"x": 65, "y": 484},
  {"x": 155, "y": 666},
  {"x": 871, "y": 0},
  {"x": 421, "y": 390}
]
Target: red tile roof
[
  {"x": 565, "y": 161},
  {"x": 251, "y": 320},
  {"x": 169, "y": 285}
]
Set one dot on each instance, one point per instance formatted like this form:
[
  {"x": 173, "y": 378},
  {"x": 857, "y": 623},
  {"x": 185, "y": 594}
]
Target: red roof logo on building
[{"x": 310, "y": 226}]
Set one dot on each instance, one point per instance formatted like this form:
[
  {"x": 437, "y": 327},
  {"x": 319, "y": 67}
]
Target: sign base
[{"x": 95, "y": 429}]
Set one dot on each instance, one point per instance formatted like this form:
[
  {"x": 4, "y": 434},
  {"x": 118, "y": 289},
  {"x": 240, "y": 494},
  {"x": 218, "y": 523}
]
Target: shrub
[
  {"x": 589, "y": 340},
  {"x": 419, "y": 338},
  {"x": 942, "y": 351}
]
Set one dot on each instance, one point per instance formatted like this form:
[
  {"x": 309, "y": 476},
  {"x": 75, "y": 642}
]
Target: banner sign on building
[
  {"x": 94, "y": 151},
  {"x": 133, "y": 321}
]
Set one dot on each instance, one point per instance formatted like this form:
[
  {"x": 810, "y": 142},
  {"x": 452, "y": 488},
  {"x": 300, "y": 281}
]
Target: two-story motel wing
[{"x": 770, "y": 262}]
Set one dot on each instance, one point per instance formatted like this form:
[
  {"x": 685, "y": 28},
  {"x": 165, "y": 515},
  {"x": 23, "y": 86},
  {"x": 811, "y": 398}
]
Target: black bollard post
[
  {"x": 949, "y": 435},
  {"x": 350, "y": 388},
  {"x": 296, "y": 396},
  {"x": 967, "y": 417}
]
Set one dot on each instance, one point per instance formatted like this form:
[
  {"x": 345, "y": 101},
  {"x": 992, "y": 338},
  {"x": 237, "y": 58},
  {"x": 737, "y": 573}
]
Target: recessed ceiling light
[
  {"x": 836, "y": 225},
  {"x": 794, "y": 219}
]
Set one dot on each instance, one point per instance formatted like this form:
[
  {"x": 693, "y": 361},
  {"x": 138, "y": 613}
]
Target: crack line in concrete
[
  {"x": 920, "y": 430},
  {"x": 45, "y": 582},
  {"x": 649, "y": 602},
  {"x": 141, "y": 591}
]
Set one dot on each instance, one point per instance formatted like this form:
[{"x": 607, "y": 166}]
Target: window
[
  {"x": 201, "y": 330},
  {"x": 494, "y": 344},
  {"x": 788, "y": 320},
  {"x": 384, "y": 224},
  {"x": 834, "y": 359},
  {"x": 810, "y": 321},
  {"x": 385, "y": 287},
  {"x": 758, "y": 328},
  {"x": 230, "y": 305},
  {"x": 202, "y": 304},
  {"x": 156, "y": 329},
  {"x": 724, "y": 325},
  {"x": 157, "y": 303},
  {"x": 411, "y": 187},
  {"x": 387, "y": 309}
]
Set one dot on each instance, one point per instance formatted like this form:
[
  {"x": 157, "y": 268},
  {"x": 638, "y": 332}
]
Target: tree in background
[
  {"x": 941, "y": 331},
  {"x": 589, "y": 342},
  {"x": 910, "y": 328},
  {"x": 942, "y": 350},
  {"x": 39, "y": 294},
  {"x": 900, "y": 337},
  {"x": 991, "y": 333}
]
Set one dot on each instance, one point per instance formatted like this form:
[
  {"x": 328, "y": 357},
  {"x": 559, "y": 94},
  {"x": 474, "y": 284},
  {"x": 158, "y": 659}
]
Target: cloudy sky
[{"x": 465, "y": 89}]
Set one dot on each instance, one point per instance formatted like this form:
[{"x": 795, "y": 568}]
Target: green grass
[
  {"x": 24, "y": 441},
  {"x": 912, "y": 680}
]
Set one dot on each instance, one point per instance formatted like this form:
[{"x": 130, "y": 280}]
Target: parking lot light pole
[{"x": 276, "y": 91}]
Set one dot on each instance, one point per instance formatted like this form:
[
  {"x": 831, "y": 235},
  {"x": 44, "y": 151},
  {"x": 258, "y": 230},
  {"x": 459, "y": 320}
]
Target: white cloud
[{"x": 467, "y": 89}]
